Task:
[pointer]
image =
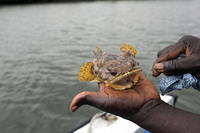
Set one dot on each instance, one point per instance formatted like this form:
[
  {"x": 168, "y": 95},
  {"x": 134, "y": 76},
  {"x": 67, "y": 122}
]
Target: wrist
[
  {"x": 159, "y": 117},
  {"x": 145, "y": 111}
]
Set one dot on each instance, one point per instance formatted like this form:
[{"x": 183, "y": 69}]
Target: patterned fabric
[{"x": 178, "y": 82}]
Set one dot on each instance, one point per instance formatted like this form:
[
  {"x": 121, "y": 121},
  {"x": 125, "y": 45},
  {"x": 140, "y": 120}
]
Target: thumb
[
  {"x": 157, "y": 69},
  {"x": 189, "y": 64},
  {"x": 91, "y": 98},
  {"x": 166, "y": 56}
]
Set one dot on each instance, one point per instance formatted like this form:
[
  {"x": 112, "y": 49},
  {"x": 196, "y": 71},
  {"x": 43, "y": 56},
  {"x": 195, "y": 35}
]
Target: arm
[
  {"x": 159, "y": 117},
  {"x": 168, "y": 63},
  {"x": 142, "y": 105}
]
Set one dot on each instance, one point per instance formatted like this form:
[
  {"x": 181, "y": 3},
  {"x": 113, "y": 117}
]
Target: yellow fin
[
  {"x": 85, "y": 73},
  {"x": 137, "y": 77},
  {"x": 128, "y": 47},
  {"x": 117, "y": 86},
  {"x": 98, "y": 51},
  {"x": 120, "y": 87},
  {"x": 97, "y": 80}
]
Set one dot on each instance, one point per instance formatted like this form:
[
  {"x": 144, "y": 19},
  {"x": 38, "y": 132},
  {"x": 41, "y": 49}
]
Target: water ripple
[{"x": 42, "y": 47}]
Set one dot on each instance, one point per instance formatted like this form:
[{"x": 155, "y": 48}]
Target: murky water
[{"x": 42, "y": 47}]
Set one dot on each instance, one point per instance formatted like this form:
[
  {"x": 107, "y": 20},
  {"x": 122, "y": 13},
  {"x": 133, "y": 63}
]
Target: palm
[{"x": 118, "y": 102}]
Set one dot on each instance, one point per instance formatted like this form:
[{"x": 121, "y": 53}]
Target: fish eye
[{"x": 113, "y": 73}]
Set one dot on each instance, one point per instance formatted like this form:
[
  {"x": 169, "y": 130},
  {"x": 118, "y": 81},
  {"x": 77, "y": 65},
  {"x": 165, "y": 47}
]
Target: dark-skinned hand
[
  {"x": 123, "y": 103},
  {"x": 168, "y": 63},
  {"x": 141, "y": 103}
]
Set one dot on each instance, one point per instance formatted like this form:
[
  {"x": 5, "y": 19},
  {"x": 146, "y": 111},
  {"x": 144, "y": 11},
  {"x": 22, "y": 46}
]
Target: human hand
[
  {"x": 123, "y": 103},
  {"x": 168, "y": 63}
]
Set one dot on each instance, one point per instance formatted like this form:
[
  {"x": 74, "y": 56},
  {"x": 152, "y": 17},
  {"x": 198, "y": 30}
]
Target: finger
[
  {"x": 155, "y": 73},
  {"x": 180, "y": 45},
  {"x": 166, "y": 50},
  {"x": 171, "y": 55},
  {"x": 166, "y": 55},
  {"x": 158, "y": 68},
  {"x": 189, "y": 64},
  {"x": 91, "y": 98}
]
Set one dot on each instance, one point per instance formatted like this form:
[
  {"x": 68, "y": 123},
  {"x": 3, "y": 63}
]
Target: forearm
[{"x": 159, "y": 117}]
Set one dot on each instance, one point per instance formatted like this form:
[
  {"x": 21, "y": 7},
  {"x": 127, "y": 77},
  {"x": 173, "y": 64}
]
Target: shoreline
[{"x": 14, "y": 2}]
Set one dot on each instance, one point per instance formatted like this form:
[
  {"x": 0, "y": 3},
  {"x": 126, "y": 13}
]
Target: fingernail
[
  {"x": 73, "y": 109},
  {"x": 159, "y": 67}
]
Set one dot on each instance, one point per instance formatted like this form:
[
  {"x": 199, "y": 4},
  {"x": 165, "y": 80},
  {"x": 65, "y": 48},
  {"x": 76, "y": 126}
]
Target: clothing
[{"x": 178, "y": 82}]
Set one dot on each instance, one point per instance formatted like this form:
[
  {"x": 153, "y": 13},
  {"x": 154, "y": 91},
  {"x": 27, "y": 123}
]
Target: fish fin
[
  {"x": 127, "y": 47},
  {"x": 136, "y": 77},
  {"x": 98, "y": 52},
  {"x": 98, "y": 49},
  {"x": 96, "y": 79},
  {"x": 135, "y": 73},
  {"x": 85, "y": 73},
  {"x": 120, "y": 87}
]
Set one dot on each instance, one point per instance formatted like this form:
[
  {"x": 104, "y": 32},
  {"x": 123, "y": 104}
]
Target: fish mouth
[{"x": 133, "y": 71}]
